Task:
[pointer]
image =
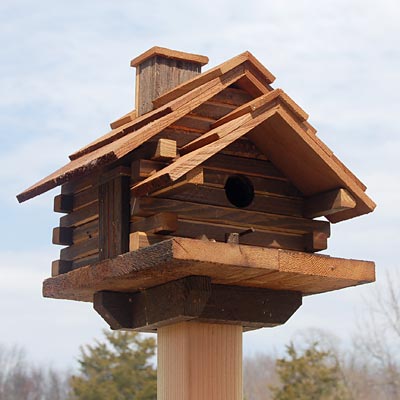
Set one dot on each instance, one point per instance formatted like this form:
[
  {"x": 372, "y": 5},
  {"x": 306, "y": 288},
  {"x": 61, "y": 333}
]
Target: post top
[{"x": 168, "y": 53}]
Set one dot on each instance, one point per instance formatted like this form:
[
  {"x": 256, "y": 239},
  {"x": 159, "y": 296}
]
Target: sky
[{"x": 65, "y": 75}]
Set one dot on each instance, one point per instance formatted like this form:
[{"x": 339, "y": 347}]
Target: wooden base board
[
  {"x": 196, "y": 298},
  {"x": 224, "y": 263}
]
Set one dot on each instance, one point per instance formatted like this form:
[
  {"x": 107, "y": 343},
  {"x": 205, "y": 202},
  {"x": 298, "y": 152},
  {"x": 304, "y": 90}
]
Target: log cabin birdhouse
[{"x": 201, "y": 204}]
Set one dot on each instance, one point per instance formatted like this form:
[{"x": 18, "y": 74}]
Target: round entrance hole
[{"x": 239, "y": 190}]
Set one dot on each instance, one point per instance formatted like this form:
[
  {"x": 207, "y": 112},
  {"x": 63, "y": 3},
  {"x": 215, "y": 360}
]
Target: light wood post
[{"x": 200, "y": 361}]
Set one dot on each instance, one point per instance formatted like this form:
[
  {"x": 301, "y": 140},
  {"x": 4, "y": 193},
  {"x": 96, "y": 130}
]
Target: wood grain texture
[
  {"x": 196, "y": 298},
  {"x": 226, "y": 264},
  {"x": 198, "y": 361},
  {"x": 147, "y": 206},
  {"x": 328, "y": 203},
  {"x": 169, "y": 53}
]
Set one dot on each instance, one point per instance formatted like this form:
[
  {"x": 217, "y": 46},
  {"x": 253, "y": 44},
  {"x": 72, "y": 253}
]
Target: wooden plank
[
  {"x": 146, "y": 206},
  {"x": 60, "y": 267},
  {"x": 166, "y": 150},
  {"x": 181, "y": 137},
  {"x": 244, "y": 148},
  {"x": 162, "y": 223},
  {"x": 232, "y": 96},
  {"x": 225, "y": 263},
  {"x": 316, "y": 241},
  {"x": 193, "y": 123},
  {"x": 261, "y": 185},
  {"x": 129, "y": 117},
  {"x": 63, "y": 203},
  {"x": 195, "y": 297},
  {"x": 79, "y": 185},
  {"x": 81, "y": 249},
  {"x": 168, "y": 53},
  {"x": 86, "y": 231},
  {"x": 114, "y": 211},
  {"x": 62, "y": 236},
  {"x": 141, "y": 169},
  {"x": 213, "y": 110},
  {"x": 328, "y": 203},
  {"x": 202, "y": 194},
  {"x": 81, "y": 216},
  {"x": 138, "y": 240},
  {"x": 85, "y": 261},
  {"x": 85, "y": 198}
]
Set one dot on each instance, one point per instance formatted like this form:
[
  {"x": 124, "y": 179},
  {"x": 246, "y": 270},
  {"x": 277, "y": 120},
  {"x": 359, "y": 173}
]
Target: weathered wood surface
[
  {"x": 146, "y": 206},
  {"x": 114, "y": 211},
  {"x": 328, "y": 203},
  {"x": 226, "y": 264},
  {"x": 195, "y": 297},
  {"x": 157, "y": 75},
  {"x": 162, "y": 223},
  {"x": 199, "y": 361}
]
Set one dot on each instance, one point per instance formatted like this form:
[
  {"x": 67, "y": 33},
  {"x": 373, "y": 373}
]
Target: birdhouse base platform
[{"x": 223, "y": 263}]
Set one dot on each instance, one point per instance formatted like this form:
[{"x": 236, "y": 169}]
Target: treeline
[{"x": 314, "y": 367}]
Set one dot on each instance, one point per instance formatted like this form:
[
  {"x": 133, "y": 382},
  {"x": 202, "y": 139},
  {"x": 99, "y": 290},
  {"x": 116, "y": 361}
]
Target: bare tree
[
  {"x": 378, "y": 339},
  {"x": 20, "y": 380}
]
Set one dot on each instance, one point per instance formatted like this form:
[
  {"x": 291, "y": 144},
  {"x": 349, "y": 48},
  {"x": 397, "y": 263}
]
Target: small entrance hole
[{"x": 239, "y": 190}]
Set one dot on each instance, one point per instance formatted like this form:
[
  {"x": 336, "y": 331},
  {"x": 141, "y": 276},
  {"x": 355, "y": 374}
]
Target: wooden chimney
[
  {"x": 159, "y": 70},
  {"x": 197, "y": 217}
]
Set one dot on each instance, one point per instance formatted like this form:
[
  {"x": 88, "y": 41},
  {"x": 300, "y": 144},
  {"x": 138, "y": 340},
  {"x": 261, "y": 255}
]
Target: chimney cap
[{"x": 168, "y": 53}]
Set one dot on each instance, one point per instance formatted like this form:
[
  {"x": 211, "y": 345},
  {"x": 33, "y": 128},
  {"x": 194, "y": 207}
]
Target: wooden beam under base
[
  {"x": 226, "y": 264},
  {"x": 199, "y": 361},
  {"x": 195, "y": 297}
]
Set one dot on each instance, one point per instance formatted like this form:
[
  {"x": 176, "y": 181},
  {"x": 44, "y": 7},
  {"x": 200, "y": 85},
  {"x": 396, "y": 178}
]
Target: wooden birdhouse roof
[{"x": 270, "y": 119}]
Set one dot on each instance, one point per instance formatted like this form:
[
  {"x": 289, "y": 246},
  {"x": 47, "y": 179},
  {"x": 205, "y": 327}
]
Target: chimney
[{"x": 159, "y": 70}]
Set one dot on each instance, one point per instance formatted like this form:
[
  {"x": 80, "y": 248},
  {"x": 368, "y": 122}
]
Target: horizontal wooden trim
[
  {"x": 81, "y": 249},
  {"x": 196, "y": 298},
  {"x": 129, "y": 117},
  {"x": 62, "y": 236},
  {"x": 81, "y": 216},
  {"x": 203, "y": 194},
  {"x": 60, "y": 267},
  {"x": 328, "y": 203},
  {"x": 224, "y": 263},
  {"x": 63, "y": 203},
  {"x": 168, "y": 53},
  {"x": 146, "y": 206},
  {"x": 86, "y": 231},
  {"x": 85, "y": 261},
  {"x": 162, "y": 223}
]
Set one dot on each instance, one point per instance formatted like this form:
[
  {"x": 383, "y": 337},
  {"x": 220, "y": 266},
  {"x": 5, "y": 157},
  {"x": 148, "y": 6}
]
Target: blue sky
[{"x": 64, "y": 75}]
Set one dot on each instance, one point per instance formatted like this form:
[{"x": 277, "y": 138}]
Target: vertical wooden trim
[
  {"x": 114, "y": 217},
  {"x": 198, "y": 361}
]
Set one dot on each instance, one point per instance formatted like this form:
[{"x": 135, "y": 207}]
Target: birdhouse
[{"x": 202, "y": 204}]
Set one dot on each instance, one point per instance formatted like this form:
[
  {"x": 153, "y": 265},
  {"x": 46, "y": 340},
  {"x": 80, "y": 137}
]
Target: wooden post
[{"x": 198, "y": 361}]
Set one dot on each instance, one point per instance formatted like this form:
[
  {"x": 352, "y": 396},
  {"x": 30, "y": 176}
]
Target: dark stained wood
[
  {"x": 63, "y": 203},
  {"x": 218, "y": 232},
  {"x": 84, "y": 261},
  {"x": 244, "y": 148},
  {"x": 114, "y": 211},
  {"x": 60, "y": 267},
  {"x": 216, "y": 196},
  {"x": 146, "y": 206},
  {"x": 85, "y": 198},
  {"x": 62, "y": 236},
  {"x": 78, "y": 185},
  {"x": 141, "y": 169},
  {"x": 180, "y": 136},
  {"x": 195, "y": 297},
  {"x": 86, "y": 231},
  {"x": 80, "y": 249},
  {"x": 81, "y": 216},
  {"x": 162, "y": 223}
]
